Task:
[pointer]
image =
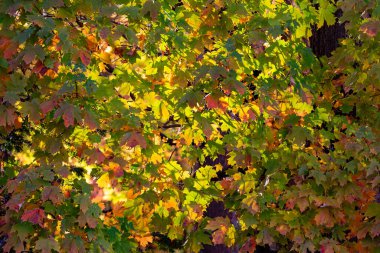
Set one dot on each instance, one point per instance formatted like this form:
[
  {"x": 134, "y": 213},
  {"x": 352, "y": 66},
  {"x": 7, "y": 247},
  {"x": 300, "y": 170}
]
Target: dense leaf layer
[{"x": 121, "y": 121}]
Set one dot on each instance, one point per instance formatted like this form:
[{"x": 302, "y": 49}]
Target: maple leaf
[
  {"x": 104, "y": 181},
  {"x": 143, "y": 240},
  {"x": 219, "y": 235},
  {"x": 66, "y": 110},
  {"x": 10, "y": 50},
  {"x": 96, "y": 156},
  {"x": 84, "y": 202},
  {"x": 375, "y": 230},
  {"x": 85, "y": 57},
  {"x": 214, "y": 101},
  {"x": 249, "y": 246},
  {"x": 327, "y": 246},
  {"x": 35, "y": 216},
  {"x": 47, "y": 106},
  {"x": 283, "y": 229},
  {"x": 118, "y": 209},
  {"x": 370, "y": 28},
  {"x": 73, "y": 245},
  {"x": 323, "y": 217},
  {"x": 133, "y": 139},
  {"x": 89, "y": 120},
  {"x": 152, "y": 7},
  {"x": 46, "y": 245},
  {"x": 23, "y": 230},
  {"x": 52, "y": 193},
  {"x": 220, "y": 227},
  {"x": 217, "y": 222},
  {"x": 302, "y": 204}
]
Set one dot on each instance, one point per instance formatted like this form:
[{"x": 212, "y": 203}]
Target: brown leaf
[
  {"x": 46, "y": 245},
  {"x": 52, "y": 193},
  {"x": 10, "y": 50},
  {"x": 302, "y": 204},
  {"x": 324, "y": 218},
  {"x": 73, "y": 245},
  {"x": 29, "y": 56},
  {"x": 217, "y": 223}
]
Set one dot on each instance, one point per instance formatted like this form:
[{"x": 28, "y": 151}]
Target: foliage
[{"x": 132, "y": 116}]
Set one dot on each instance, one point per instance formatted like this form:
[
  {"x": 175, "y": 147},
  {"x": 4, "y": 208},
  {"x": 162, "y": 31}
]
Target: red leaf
[
  {"x": 134, "y": 139},
  {"x": 68, "y": 116},
  {"x": 96, "y": 157},
  {"x": 67, "y": 112},
  {"x": 10, "y": 50},
  {"x": 47, "y": 106},
  {"x": 35, "y": 216},
  {"x": 371, "y": 28},
  {"x": 249, "y": 246},
  {"x": 211, "y": 101},
  {"x": 90, "y": 121},
  {"x": 85, "y": 57}
]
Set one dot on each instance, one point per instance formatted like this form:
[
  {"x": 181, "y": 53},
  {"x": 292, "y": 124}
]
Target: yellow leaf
[
  {"x": 156, "y": 158},
  {"x": 104, "y": 181},
  {"x": 164, "y": 112},
  {"x": 188, "y": 136},
  {"x": 231, "y": 232}
]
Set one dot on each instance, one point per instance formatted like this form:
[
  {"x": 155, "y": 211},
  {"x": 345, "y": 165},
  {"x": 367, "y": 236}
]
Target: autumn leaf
[
  {"x": 152, "y": 7},
  {"x": 35, "y": 216},
  {"x": 324, "y": 218},
  {"x": 144, "y": 240},
  {"x": 104, "y": 181},
  {"x": 85, "y": 57},
  {"x": 67, "y": 112},
  {"x": 217, "y": 222},
  {"x": 370, "y": 28},
  {"x": 133, "y": 139},
  {"x": 73, "y": 245},
  {"x": 249, "y": 246},
  {"x": 46, "y": 245},
  {"x": 52, "y": 193},
  {"x": 219, "y": 235}
]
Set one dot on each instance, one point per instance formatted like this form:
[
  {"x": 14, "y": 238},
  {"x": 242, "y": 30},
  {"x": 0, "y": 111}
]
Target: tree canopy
[{"x": 123, "y": 122}]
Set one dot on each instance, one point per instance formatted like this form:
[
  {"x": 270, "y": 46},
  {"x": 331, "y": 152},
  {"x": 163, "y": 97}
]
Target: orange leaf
[
  {"x": 144, "y": 240},
  {"x": 324, "y": 218}
]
